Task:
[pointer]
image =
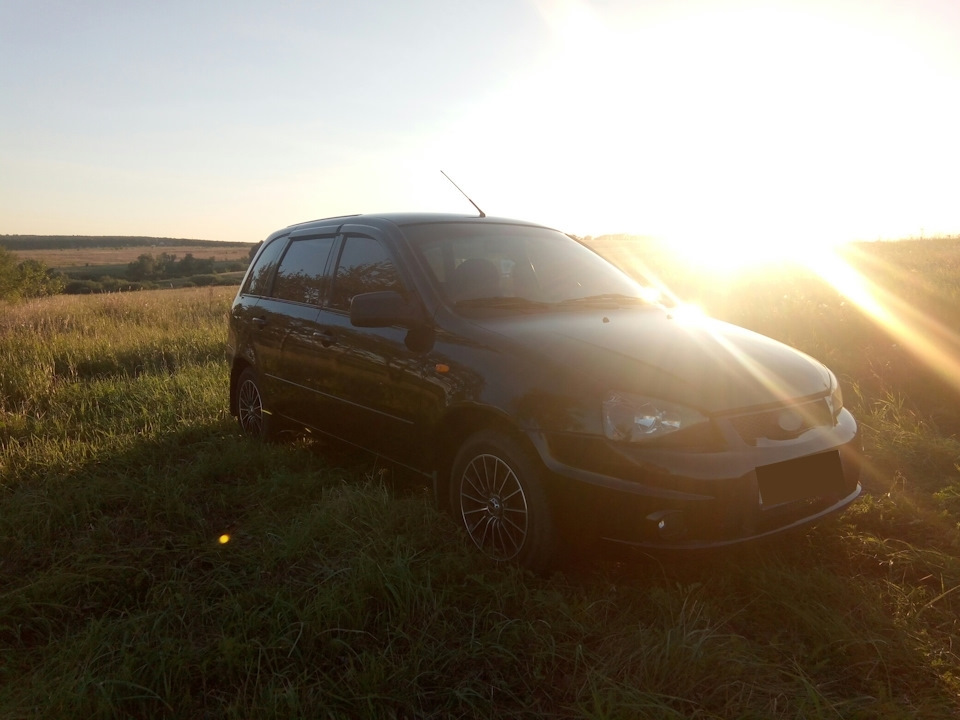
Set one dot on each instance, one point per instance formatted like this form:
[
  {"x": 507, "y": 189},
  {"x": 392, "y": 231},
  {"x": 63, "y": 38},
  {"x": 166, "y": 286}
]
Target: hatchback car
[{"x": 548, "y": 396}]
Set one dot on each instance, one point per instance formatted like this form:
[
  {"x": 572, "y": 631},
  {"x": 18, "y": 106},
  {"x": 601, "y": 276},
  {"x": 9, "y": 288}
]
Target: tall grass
[
  {"x": 340, "y": 592},
  {"x": 48, "y": 343}
]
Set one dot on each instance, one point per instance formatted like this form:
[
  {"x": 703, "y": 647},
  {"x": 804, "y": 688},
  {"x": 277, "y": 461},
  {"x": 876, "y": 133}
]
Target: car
[{"x": 551, "y": 400}]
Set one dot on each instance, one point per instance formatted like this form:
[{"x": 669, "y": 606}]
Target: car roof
[{"x": 407, "y": 218}]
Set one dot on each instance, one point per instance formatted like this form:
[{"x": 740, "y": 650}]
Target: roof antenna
[{"x": 482, "y": 214}]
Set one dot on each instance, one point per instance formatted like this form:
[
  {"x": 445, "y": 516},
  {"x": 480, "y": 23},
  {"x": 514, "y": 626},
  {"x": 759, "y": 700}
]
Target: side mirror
[{"x": 383, "y": 309}]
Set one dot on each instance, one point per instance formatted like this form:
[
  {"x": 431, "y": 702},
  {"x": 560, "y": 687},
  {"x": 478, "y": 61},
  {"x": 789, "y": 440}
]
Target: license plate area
[{"x": 808, "y": 477}]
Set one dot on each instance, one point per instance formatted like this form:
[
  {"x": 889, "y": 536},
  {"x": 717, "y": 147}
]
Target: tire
[
  {"x": 497, "y": 496},
  {"x": 254, "y": 420}
]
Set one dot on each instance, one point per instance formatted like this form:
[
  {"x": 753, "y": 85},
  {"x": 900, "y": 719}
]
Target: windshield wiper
[
  {"x": 607, "y": 300},
  {"x": 503, "y": 303}
]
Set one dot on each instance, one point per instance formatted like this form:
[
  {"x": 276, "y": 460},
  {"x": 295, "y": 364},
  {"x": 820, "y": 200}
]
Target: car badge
[{"x": 790, "y": 421}]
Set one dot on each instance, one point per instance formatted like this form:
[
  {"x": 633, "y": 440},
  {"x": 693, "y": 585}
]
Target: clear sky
[{"x": 739, "y": 123}]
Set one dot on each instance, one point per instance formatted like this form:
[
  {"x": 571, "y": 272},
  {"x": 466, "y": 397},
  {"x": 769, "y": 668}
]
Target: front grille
[{"x": 783, "y": 423}]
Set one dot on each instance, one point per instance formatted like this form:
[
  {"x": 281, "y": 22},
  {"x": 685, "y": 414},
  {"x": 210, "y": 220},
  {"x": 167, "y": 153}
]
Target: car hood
[{"x": 703, "y": 363}]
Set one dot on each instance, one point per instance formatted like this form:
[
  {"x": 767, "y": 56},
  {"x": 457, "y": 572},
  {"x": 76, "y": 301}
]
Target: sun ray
[{"x": 926, "y": 338}]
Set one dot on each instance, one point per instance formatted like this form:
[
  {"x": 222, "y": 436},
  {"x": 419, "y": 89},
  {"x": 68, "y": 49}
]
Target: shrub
[
  {"x": 82, "y": 287},
  {"x": 30, "y": 278}
]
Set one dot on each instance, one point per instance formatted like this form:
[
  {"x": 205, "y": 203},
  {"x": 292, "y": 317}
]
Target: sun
[{"x": 739, "y": 133}]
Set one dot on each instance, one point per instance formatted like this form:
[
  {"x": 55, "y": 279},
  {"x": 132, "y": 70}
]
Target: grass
[{"x": 342, "y": 592}]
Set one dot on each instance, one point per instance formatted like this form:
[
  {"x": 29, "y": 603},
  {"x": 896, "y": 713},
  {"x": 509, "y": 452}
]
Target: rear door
[
  {"x": 259, "y": 332},
  {"x": 285, "y": 292},
  {"x": 295, "y": 300}
]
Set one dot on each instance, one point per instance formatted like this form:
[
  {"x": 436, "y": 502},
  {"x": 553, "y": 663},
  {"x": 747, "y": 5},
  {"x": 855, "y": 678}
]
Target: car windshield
[{"x": 520, "y": 268}]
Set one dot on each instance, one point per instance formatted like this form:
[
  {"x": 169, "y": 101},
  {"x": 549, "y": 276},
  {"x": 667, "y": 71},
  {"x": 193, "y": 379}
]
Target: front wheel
[
  {"x": 497, "y": 495},
  {"x": 254, "y": 420}
]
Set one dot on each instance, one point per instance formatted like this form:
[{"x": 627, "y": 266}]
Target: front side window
[
  {"x": 365, "y": 266},
  {"x": 300, "y": 276},
  {"x": 261, "y": 275}
]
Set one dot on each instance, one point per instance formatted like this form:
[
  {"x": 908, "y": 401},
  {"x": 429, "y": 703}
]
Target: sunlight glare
[
  {"x": 741, "y": 135},
  {"x": 929, "y": 340},
  {"x": 688, "y": 312}
]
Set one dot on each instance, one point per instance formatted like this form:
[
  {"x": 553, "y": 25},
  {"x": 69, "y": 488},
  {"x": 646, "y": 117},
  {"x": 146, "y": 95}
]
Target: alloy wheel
[
  {"x": 250, "y": 408},
  {"x": 494, "y": 507}
]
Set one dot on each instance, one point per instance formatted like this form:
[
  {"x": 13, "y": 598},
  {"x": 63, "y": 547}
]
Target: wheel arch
[
  {"x": 239, "y": 365},
  {"x": 455, "y": 427}
]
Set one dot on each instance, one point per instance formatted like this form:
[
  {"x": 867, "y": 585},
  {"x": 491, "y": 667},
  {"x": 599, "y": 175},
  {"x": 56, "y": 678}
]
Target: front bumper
[{"x": 671, "y": 499}]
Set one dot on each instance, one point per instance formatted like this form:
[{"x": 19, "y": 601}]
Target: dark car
[{"x": 549, "y": 397}]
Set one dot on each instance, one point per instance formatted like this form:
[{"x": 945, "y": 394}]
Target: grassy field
[
  {"x": 341, "y": 592},
  {"x": 83, "y": 257}
]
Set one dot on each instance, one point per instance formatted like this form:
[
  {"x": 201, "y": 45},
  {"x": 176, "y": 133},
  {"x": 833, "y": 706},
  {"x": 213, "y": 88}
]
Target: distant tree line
[
  {"x": 27, "y": 279},
  {"x": 166, "y": 265}
]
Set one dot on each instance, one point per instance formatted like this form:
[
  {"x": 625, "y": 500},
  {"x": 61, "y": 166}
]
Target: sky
[{"x": 723, "y": 124}]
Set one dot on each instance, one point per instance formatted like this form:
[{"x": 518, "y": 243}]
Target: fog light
[{"x": 669, "y": 524}]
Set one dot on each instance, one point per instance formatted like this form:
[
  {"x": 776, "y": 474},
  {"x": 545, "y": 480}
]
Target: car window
[
  {"x": 261, "y": 275},
  {"x": 365, "y": 266},
  {"x": 300, "y": 275},
  {"x": 471, "y": 261}
]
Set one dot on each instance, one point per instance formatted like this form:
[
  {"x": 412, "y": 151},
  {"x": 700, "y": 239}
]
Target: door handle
[
  {"x": 326, "y": 337},
  {"x": 259, "y": 321}
]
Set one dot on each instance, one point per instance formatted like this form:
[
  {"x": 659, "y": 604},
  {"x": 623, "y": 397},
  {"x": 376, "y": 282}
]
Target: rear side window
[
  {"x": 300, "y": 275},
  {"x": 261, "y": 275},
  {"x": 365, "y": 266}
]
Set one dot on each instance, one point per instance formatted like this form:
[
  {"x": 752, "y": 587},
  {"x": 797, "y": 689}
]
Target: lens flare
[{"x": 223, "y": 539}]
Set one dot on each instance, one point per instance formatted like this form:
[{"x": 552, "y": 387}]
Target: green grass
[{"x": 342, "y": 592}]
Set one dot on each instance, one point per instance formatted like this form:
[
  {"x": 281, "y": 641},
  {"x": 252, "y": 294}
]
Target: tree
[
  {"x": 35, "y": 279},
  {"x": 187, "y": 266},
  {"x": 143, "y": 268},
  {"x": 30, "y": 278},
  {"x": 165, "y": 265},
  {"x": 8, "y": 273}
]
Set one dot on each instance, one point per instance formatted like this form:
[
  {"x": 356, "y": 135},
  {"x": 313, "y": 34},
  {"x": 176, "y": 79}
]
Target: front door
[{"x": 373, "y": 375}]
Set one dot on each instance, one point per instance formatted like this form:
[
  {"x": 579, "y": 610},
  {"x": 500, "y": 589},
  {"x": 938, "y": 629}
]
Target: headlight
[
  {"x": 635, "y": 418},
  {"x": 836, "y": 396}
]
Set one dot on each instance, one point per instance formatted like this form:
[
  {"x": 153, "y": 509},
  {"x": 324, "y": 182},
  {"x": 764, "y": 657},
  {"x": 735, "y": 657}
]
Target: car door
[
  {"x": 283, "y": 323},
  {"x": 260, "y": 329},
  {"x": 298, "y": 292},
  {"x": 373, "y": 376}
]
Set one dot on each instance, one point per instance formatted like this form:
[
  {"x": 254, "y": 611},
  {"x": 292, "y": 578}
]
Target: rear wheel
[
  {"x": 254, "y": 420},
  {"x": 497, "y": 495}
]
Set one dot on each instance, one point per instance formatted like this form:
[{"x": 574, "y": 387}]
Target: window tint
[
  {"x": 258, "y": 282},
  {"x": 300, "y": 275},
  {"x": 365, "y": 266}
]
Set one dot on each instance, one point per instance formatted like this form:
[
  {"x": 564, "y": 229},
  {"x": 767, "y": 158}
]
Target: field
[
  {"x": 101, "y": 264},
  {"x": 67, "y": 258},
  {"x": 155, "y": 564}
]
